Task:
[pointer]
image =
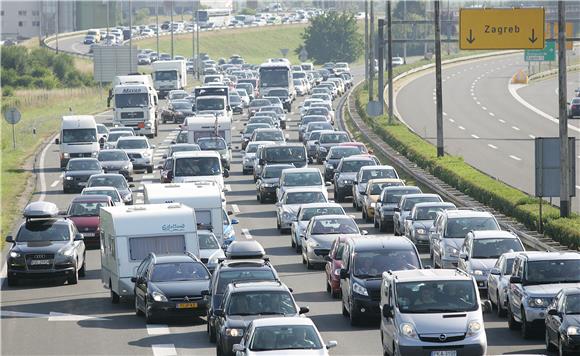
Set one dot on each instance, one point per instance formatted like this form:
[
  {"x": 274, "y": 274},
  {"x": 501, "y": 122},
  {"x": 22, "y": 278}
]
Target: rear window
[
  {"x": 227, "y": 277},
  {"x": 285, "y": 154},
  {"x": 140, "y": 247}
]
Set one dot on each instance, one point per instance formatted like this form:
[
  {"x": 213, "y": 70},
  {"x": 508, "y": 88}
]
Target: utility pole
[
  {"x": 405, "y": 32},
  {"x": 130, "y": 34},
  {"x": 367, "y": 40},
  {"x": 197, "y": 59},
  {"x": 381, "y": 55},
  {"x": 371, "y": 54},
  {"x": 157, "y": 24},
  {"x": 562, "y": 114},
  {"x": 193, "y": 30},
  {"x": 171, "y": 24},
  {"x": 438, "y": 83},
  {"x": 57, "y": 24},
  {"x": 390, "y": 60}
]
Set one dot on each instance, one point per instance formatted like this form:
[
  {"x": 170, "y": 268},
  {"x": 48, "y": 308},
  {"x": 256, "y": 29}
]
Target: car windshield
[
  {"x": 317, "y": 111},
  {"x": 261, "y": 302},
  {"x": 305, "y": 197},
  {"x": 212, "y": 144},
  {"x": 410, "y": 202},
  {"x": 372, "y": 264},
  {"x": 436, "y": 297},
  {"x": 252, "y": 148},
  {"x": 269, "y": 136},
  {"x": 236, "y": 275},
  {"x": 136, "y": 100},
  {"x": 260, "y": 120},
  {"x": 85, "y": 208},
  {"x": 314, "y": 136},
  {"x": 179, "y": 271},
  {"x": 428, "y": 212},
  {"x": 132, "y": 144},
  {"x": 394, "y": 196},
  {"x": 278, "y": 93},
  {"x": 235, "y": 99},
  {"x": 210, "y": 104},
  {"x": 335, "y": 226},
  {"x": 208, "y": 241},
  {"x": 459, "y": 227},
  {"x": 259, "y": 102},
  {"x": 181, "y": 106},
  {"x": 318, "y": 126},
  {"x": 285, "y": 337},
  {"x": 493, "y": 248},
  {"x": 108, "y": 180},
  {"x": 114, "y": 136},
  {"x": 301, "y": 179},
  {"x": 43, "y": 230},
  {"x": 186, "y": 148},
  {"x": 165, "y": 75},
  {"x": 309, "y": 213},
  {"x": 572, "y": 304},
  {"x": 107, "y": 155},
  {"x": 273, "y": 171},
  {"x": 83, "y": 165},
  {"x": 285, "y": 154},
  {"x": 109, "y": 192},
  {"x": 251, "y": 127},
  {"x": 355, "y": 166},
  {"x": 308, "y": 119},
  {"x": 553, "y": 271},
  {"x": 197, "y": 166},
  {"x": 377, "y": 173},
  {"x": 79, "y": 135}
]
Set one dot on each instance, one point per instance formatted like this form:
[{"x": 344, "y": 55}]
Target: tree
[
  {"x": 248, "y": 11},
  {"x": 332, "y": 37},
  {"x": 413, "y": 7}
]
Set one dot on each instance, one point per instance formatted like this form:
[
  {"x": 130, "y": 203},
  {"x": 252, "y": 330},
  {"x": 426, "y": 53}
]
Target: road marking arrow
[
  {"x": 470, "y": 39},
  {"x": 533, "y": 38}
]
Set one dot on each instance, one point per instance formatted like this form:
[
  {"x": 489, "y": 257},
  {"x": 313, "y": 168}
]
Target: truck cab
[
  {"x": 214, "y": 100},
  {"x": 169, "y": 75},
  {"x": 135, "y": 104}
]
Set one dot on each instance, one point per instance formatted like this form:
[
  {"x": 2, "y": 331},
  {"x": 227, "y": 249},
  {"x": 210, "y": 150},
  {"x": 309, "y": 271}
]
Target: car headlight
[
  {"x": 451, "y": 251},
  {"x": 146, "y": 154},
  {"x": 148, "y": 125},
  {"x": 408, "y": 330},
  {"x": 158, "y": 297},
  {"x": 538, "y": 302},
  {"x": 14, "y": 254},
  {"x": 94, "y": 154},
  {"x": 126, "y": 167},
  {"x": 421, "y": 231},
  {"x": 312, "y": 243},
  {"x": 67, "y": 252},
  {"x": 234, "y": 332},
  {"x": 68, "y": 178},
  {"x": 358, "y": 289},
  {"x": 128, "y": 197},
  {"x": 287, "y": 216},
  {"x": 573, "y": 330},
  {"x": 477, "y": 272},
  {"x": 473, "y": 328},
  {"x": 66, "y": 155}
]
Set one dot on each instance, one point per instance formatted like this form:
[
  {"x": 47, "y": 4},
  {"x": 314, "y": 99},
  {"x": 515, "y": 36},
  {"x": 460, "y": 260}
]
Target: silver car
[
  {"x": 307, "y": 212},
  {"x": 250, "y": 155},
  {"x": 407, "y": 203},
  {"x": 498, "y": 281},
  {"x": 421, "y": 219},
  {"x": 364, "y": 175},
  {"x": 210, "y": 252},
  {"x": 139, "y": 151},
  {"x": 287, "y": 207},
  {"x": 321, "y": 232}
]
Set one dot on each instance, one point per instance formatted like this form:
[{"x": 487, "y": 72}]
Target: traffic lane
[
  {"x": 543, "y": 94},
  {"x": 71, "y": 44}
]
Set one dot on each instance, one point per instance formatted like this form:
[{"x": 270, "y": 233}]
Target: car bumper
[
  {"x": 476, "y": 347},
  {"x": 40, "y": 274},
  {"x": 170, "y": 309},
  {"x": 142, "y": 163},
  {"x": 317, "y": 255},
  {"x": 125, "y": 173},
  {"x": 447, "y": 262},
  {"x": 268, "y": 193},
  {"x": 366, "y": 306},
  {"x": 535, "y": 316},
  {"x": 421, "y": 239},
  {"x": 571, "y": 343},
  {"x": 73, "y": 185},
  {"x": 345, "y": 189}
]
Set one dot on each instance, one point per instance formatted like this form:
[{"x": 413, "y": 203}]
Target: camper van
[
  {"x": 78, "y": 138},
  {"x": 201, "y": 126},
  {"x": 206, "y": 198},
  {"x": 130, "y": 233}
]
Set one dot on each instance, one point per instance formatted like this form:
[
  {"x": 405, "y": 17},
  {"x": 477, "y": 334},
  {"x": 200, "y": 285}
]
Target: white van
[
  {"x": 78, "y": 138},
  {"x": 130, "y": 233},
  {"x": 195, "y": 166},
  {"x": 206, "y": 198}
]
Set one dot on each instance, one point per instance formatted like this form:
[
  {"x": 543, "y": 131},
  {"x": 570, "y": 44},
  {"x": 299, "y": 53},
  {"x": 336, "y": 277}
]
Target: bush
[{"x": 7, "y": 91}]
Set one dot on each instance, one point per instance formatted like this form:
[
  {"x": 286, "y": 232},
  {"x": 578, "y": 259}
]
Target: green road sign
[{"x": 547, "y": 54}]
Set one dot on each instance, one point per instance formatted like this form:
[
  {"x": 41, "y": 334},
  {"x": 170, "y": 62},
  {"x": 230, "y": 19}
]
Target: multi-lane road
[
  {"x": 486, "y": 120},
  {"x": 80, "y": 319}
]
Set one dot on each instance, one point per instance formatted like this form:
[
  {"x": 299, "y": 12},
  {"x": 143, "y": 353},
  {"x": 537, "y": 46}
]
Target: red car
[
  {"x": 84, "y": 212},
  {"x": 333, "y": 266}
]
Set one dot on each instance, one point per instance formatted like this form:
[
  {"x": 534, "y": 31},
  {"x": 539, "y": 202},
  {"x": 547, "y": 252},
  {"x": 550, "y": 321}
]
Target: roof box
[{"x": 41, "y": 210}]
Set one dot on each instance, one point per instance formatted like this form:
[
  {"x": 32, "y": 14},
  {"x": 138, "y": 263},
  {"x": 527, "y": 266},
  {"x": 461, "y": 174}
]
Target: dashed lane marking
[
  {"x": 148, "y": 176},
  {"x": 534, "y": 137},
  {"x": 163, "y": 350},
  {"x": 451, "y": 120},
  {"x": 247, "y": 234},
  {"x": 483, "y": 108},
  {"x": 491, "y": 114},
  {"x": 157, "y": 329},
  {"x": 515, "y": 158},
  {"x": 474, "y": 136},
  {"x": 54, "y": 184},
  {"x": 235, "y": 208},
  {"x": 492, "y": 146},
  {"x": 461, "y": 128},
  {"x": 516, "y": 128},
  {"x": 502, "y": 121}
]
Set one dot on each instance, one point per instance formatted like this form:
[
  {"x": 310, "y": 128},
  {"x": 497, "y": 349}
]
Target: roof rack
[{"x": 458, "y": 270}]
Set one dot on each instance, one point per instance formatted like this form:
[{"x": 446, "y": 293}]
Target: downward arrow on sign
[
  {"x": 533, "y": 38},
  {"x": 470, "y": 39}
]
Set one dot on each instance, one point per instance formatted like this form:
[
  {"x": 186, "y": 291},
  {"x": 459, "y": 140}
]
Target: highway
[
  {"x": 483, "y": 121},
  {"x": 41, "y": 319}
]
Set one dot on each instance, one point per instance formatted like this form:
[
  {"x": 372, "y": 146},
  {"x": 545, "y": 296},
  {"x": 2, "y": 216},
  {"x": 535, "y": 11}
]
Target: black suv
[
  {"x": 246, "y": 301},
  {"x": 232, "y": 271}
]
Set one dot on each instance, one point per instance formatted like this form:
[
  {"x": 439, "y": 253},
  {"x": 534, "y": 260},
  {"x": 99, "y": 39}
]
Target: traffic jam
[{"x": 171, "y": 247}]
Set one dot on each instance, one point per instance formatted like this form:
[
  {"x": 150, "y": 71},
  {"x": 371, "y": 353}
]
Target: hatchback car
[
  {"x": 405, "y": 206},
  {"x": 111, "y": 192},
  {"x": 300, "y": 177},
  {"x": 365, "y": 174},
  {"x": 249, "y": 130},
  {"x": 346, "y": 173},
  {"x": 77, "y": 173},
  {"x": 269, "y": 181},
  {"x": 210, "y": 250},
  {"x": 335, "y": 154},
  {"x": 287, "y": 207},
  {"x": 307, "y": 212},
  {"x": 333, "y": 266},
  {"x": 139, "y": 151},
  {"x": 84, "y": 211},
  {"x": 373, "y": 192},
  {"x": 113, "y": 180},
  {"x": 386, "y": 204},
  {"x": 563, "y": 322},
  {"x": 421, "y": 219},
  {"x": 250, "y": 155},
  {"x": 218, "y": 145},
  {"x": 116, "y": 161}
]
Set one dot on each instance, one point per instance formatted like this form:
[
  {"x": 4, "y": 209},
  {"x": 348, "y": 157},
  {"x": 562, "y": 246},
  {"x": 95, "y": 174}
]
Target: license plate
[
  {"x": 82, "y": 184},
  {"x": 186, "y": 305},
  {"x": 40, "y": 262},
  {"x": 88, "y": 234},
  {"x": 444, "y": 353}
]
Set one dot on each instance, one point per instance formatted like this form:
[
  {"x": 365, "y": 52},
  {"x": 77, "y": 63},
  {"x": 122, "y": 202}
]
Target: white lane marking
[
  {"x": 502, "y": 121},
  {"x": 55, "y": 316},
  {"x": 228, "y": 188},
  {"x": 158, "y": 329},
  {"x": 54, "y": 184},
  {"x": 41, "y": 166},
  {"x": 578, "y": 187},
  {"x": 484, "y": 108},
  {"x": 247, "y": 234},
  {"x": 233, "y": 128},
  {"x": 148, "y": 176},
  {"x": 163, "y": 350},
  {"x": 534, "y": 137},
  {"x": 167, "y": 140},
  {"x": 491, "y": 114},
  {"x": 461, "y": 128},
  {"x": 451, "y": 120},
  {"x": 515, "y": 158},
  {"x": 235, "y": 208},
  {"x": 492, "y": 146},
  {"x": 17, "y": 314},
  {"x": 444, "y": 114},
  {"x": 478, "y": 103},
  {"x": 516, "y": 128},
  {"x": 474, "y": 136}
]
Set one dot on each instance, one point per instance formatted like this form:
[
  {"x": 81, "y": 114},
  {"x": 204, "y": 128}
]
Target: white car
[
  {"x": 498, "y": 281},
  {"x": 306, "y": 105},
  {"x": 282, "y": 336},
  {"x": 307, "y": 212},
  {"x": 301, "y": 177},
  {"x": 287, "y": 208},
  {"x": 139, "y": 151},
  {"x": 210, "y": 251}
]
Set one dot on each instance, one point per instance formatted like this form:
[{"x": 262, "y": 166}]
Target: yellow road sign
[
  {"x": 552, "y": 33},
  {"x": 501, "y": 28}
]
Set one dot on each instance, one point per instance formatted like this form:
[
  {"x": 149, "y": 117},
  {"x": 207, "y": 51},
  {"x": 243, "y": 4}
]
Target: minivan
[{"x": 78, "y": 138}]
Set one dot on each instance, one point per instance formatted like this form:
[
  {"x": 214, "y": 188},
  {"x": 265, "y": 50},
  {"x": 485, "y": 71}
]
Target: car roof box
[{"x": 41, "y": 210}]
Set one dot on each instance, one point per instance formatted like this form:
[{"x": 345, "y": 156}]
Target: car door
[
  {"x": 331, "y": 254},
  {"x": 553, "y": 321},
  {"x": 141, "y": 281},
  {"x": 389, "y": 327},
  {"x": 493, "y": 280},
  {"x": 436, "y": 237},
  {"x": 79, "y": 246},
  {"x": 397, "y": 213},
  {"x": 516, "y": 289},
  {"x": 304, "y": 238}
]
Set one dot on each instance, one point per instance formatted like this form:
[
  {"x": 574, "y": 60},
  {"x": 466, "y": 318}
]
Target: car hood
[
  {"x": 81, "y": 173},
  {"x": 326, "y": 240},
  {"x": 85, "y": 223},
  {"x": 208, "y": 253},
  {"x": 573, "y": 319},
  {"x": 39, "y": 246},
  {"x": 456, "y": 243},
  {"x": 182, "y": 288},
  {"x": 436, "y": 323},
  {"x": 548, "y": 290},
  {"x": 242, "y": 321},
  {"x": 135, "y": 150},
  {"x": 114, "y": 164},
  {"x": 347, "y": 175},
  {"x": 423, "y": 223},
  {"x": 484, "y": 264}
]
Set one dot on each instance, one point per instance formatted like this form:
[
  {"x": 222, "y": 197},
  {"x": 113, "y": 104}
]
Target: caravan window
[
  {"x": 140, "y": 247},
  {"x": 203, "y": 218}
]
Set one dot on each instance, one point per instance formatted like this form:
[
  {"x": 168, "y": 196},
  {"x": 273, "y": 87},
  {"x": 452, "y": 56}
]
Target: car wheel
[
  {"x": 375, "y": 223},
  {"x": 396, "y": 351},
  {"x": 149, "y": 169},
  {"x": 364, "y": 215},
  {"x": 12, "y": 281},
  {"x": 148, "y": 314},
  {"x": 354, "y": 204},
  {"x": 211, "y": 332},
  {"x": 328, "y": 288},
  {"x": 344, "y": 311},
  {"x": 335, "y": 294},
  {"x": 549, "y": 345},
  {"x": 500, "y": 308},
  {"x": 512, "y": 323},
  {"x": 114, "y": 296},
  {"x": 138, "y": 311},
  {"x": 561, "y": 351},
  {"x": 278, "y": 226},
  {"x": 262, "y": 200},
  {"x": 309, "y": 265},
  {"x": 303, "y": 260},
  {"x": 83, "y": 270},
  {"x": 354, "y": 318},
  {"x": 339, "y": 197},
  {"x": 526, "y": 327},
  {"x": 381, "y": 226},
  {"x": 74, "y": 279},
  {"x": 298, "y": 248}
]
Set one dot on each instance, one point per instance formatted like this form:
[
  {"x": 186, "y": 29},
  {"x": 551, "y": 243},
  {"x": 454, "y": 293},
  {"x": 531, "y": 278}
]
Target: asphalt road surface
[
  {"x": 483, "y": 121},
  {"x": 49, "y": 318}
]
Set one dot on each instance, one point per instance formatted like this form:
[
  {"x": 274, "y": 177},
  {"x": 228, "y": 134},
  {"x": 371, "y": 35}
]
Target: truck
[
  {"x": 130, "y": 233},
  {"x": 205, "y": 126},
  {"x": 205, "y": 198},
  {"x": 169, "y": 75},
  {"x": 78, "y": 138},
  {"x": 214, "y": 100},
  {"x": 135, "y": 104},
  {"x": 276, "y": 74}
]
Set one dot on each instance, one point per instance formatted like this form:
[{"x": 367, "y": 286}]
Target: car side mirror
[
  {"x": 9, "y": 238},
  {"x": 331, "y": 344},
  {"x": 397, "y": 209},
  {"x": 463, "y": 256},
  {"x": 364, "y": 232},
  {"x": 328, "y": 184},
  {"x": 219, "y": 312},
  {"x": 553, "y": 312},
  {"x": 515, "y": 279},
  {"x": 173, "y": 142},
  {"x": 303, "y": 310},
  {"x": 134, "y": 279},
  {"x": 363, "y": 193},
  {"x": 343, "y": 273},
  {"x": 62, "y": 212},
  {"x": 238, "y": 348},
  {"x": 387, "y": 311},
  {"x": 495, "y": 271},
  {"x": 205, "y": 293},
  {"x": 57, "y": 141},
  {"x": 235, "y": 221},
  {"x": 226, "y": 173},
  {"x": 79, "y": 237},
  {"x": 160, "y": 167}
]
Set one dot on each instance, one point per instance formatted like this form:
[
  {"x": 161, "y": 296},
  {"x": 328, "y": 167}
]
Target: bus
[
  {"x": 210, "y": 18},
  {"x": 276, "y": 73}
]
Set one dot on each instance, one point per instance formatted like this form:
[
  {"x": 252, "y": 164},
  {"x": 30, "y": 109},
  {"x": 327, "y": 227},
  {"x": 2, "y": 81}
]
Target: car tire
[
  {"x": 561, "y": 351},
  {"x": 354, "y": 319},
  {"x": 298, "y": 248},
  {"x": 364, "y": 215},
  {"x": 381, "y": 226},
  {"x": 74, "y": 279},
  {"x": 500, "y": 309},
  {"x": 549, "y": 345},
  {"x": 375, "y": 223},
  {"x": 354, "y": 204},
  {"x": 115, "y": 299},
  {"x": 334, "y": 294},
  {"x": 150, "y": 169},
  {"x": 83, "y": 270},
  {"x": 210, "y": 332},
  {"x": 11, "y": 281},
  {"x": 138, "y": 311},
  {"x": 278, "y": 226},
  {"x": 303, "y": 260},
  {"x": 309, "y": 265},
  {"x": 328, "y": 287},
  {"x": 344, "y": 311},
  {"x": 149, "y": 318},
  {"x": 262, "y": 200},
  {"x": 396, "y": 350},
  {"x": 526, "y": 328},
  {"x": 512, "y": 323},
  {"x": 339, "y": 197}
]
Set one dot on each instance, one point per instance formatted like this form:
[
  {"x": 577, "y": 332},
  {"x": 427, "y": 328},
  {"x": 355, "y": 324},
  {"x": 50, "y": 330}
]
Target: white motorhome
[
  {"x": 195, "y": 166},
  {"x": 130, "y": 233},
  {"x": 206, "y": 198},
  {"x": 169, "y": 75},
  {"x": 78, "y": 138},
  {"x": 135, "y": 104},
  {"x": 208, "y": 126},
  {"x": 213, "y": 100}
]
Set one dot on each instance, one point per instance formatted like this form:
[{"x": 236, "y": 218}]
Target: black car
[
  {"x": 45, "y": 246},
  {"x": 563, "y": 322},
  {"x": 364, "y": 261},
  {"x": 245, "y": 249},
  {"x": 233, "y": 271},
  {"x": 116, "y": 161},
  {"x": 333, "y": 158},
  {"x": 269, "y": 181},
  {"x": 574, "y": 108},
  {"x": 116, "y": 181},
  {"x": 77, "y": 173},
  {"x": 346, "y": 172},
  {"x": 246, "y": 301},
  {"x": 177, "y": 111},
  {"x": 171, "y": 285}
]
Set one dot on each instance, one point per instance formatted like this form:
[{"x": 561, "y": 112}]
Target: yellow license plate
[{"x": 186, "y": 305}]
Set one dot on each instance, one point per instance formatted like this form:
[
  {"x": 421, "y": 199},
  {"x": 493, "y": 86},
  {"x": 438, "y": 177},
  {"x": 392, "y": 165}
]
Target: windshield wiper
[{"x": 271, "y": 313}]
